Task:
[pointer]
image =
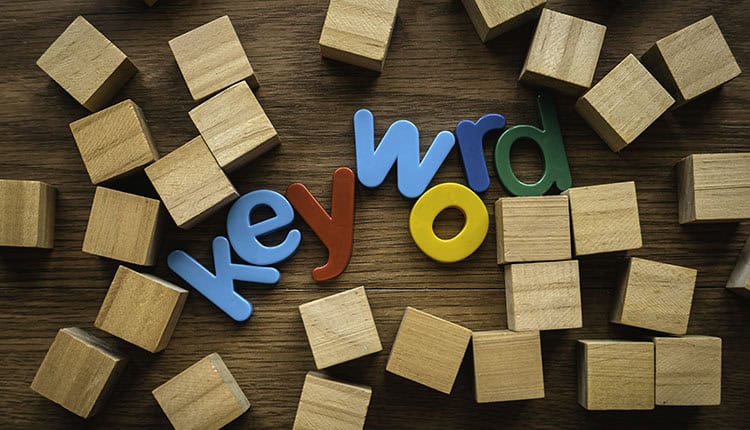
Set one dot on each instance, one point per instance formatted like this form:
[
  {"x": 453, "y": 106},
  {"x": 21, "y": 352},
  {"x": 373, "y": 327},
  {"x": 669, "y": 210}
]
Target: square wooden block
[
  {"x": 79, "y": 371},
  {"x": 688, "y": 371},
  {"x": 27, "y": 214},
  {"x": 428, "y": 350},
  {"x": 191, "y": 184},
  {"x": 532, "y": 229},
  {"x": 507, "y": 366},
  {"x": 655, "y": 296},
  {"x": 205, "y": 395},
  {"x": 624, "y": 103},
  {"x": 340, "y": 328},
  {"x": 492, "y": 18},
  {"x": 358, "y": 32},
  {"x": 714, "y": 187},
  {"x": 605, "y": 218},
  {"x": 564, "y": 53},
  {"x": 543, "y": 296},
  {"x": 739, "y": 280},
  {"x": 615, "y": 375},
  {"x": 692, "y": 61},
  {"x": 234, "y": 126},
  {"x": 212, "y": 58},
  {"x": 114, "y": 142},
  {"x": 123, "y": 227},
  {"x": 329, "y": 404},
  {"x": 141, "y": 309},
  {"x": 86, "y": 64}
]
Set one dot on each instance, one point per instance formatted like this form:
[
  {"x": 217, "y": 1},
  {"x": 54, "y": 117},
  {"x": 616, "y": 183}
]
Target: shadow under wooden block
[
  {"x": 329, "y": 404},
  {"x": 739, "y": 280},
  {"x": 688, "y": 371},
  {"x": 27, "y": 214}
]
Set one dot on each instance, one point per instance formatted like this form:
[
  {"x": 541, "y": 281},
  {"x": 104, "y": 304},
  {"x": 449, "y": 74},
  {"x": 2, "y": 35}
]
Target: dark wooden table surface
[{"x": 437, "y": 73}]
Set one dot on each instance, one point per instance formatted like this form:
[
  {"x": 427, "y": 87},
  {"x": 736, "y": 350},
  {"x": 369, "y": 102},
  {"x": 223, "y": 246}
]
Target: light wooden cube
[
  {"x": 604, "y": 218},
  {"x": 340, "y": 328},
  {"x": 329, "y": 404},
  {"x": 191, "y": 184},
  {"x": 688, "y": 371},
  {"x": 141, "y": 309},
  {"x": 532, "y": 229},
  {"x": 624, "y": 103},
  {"x": 79, "y": 371},
  {"x": 655, "y": 296},
  {"x": 492, "y": 18},
  {"x": 507, "y": 366},
  {"x": 428, "y": 350},
  {"x": 714, "y": 187},
  {"x": 739, "y": 280},
  {"x": 234, "y": 126},
  {"x": 212, "y": 58},
  {"x": 86, "y": 64},
  {"x": 692, "y": 61},
  {"x": 114, "y": 142},
  {"x": 123, "y": 227},
  {"x": 543, "y": 296},
  {"x": 27, "y": 214},
  {"x": 203, "y": 396},
  {"x": 615, "y": 375},
  {"x": 358, "y": 32}
]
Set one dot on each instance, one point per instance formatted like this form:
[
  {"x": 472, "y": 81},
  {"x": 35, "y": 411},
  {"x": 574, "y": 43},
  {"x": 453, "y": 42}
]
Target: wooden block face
[
  {"x": 491, "y": 18},
  {"x": 543, "y": 296},
  {"x": 688, "y": 371},
  {"x": 358, "y": 32},
  {"x": 340, "y": 328},
  {"x": 78, "y": 372},
  {"x": 141, "y": 309},
  {"x": 532, "y": 229},
  {"x": 27, "y": 214},
  {"x": 615, "y": 375},
  {"x": 507, "y": 366},
  {"x": 123, "y": 227},
  {"x": 655, "y": 296},
  {"x": 212, "y": 58},
  {"x": 190, "y": 183},
  {"x": 86, "y": 64},
  {"x": 564, "y": 53},
  {"x": 234, "y": 126},
  {"x": 203, "y": 396},
  {"x": 114, "y": 142},
  {"x": 624, "y": 103},
  {"x": 329, "y": 404},
  {"x": 428, "y": 350},
  {"x": 604, "y": 218},
  {"x": 739, "y": 280}
]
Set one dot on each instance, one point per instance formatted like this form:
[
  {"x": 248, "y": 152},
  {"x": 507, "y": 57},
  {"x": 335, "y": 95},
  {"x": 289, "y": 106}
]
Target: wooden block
[
  {"x": 739, "y": 280},
  {"x": 234, "y": 126},
  {"x": 340, "y": 328},
  {"x": 79, "y": 371},
  {"x": 492, "y": 18},
  {"x": 114, "y": 142},
  {"x": 615, "y": 375},
  {"x": 358, "y": 32},
  {"x": 141, "y": 309},
  {"x": 190, "y": 183},
  {"x": 714, "y": 187},
  {"x": 688, "y": 371},
  {"x": 329, "y": 404},
  {"x": 428, "y": 350},
  {"x": 692, "y": 61},
  {"x": 532, "y": 229},
  {"x": 27, "y": 214},
  {"x": 203, "y": 396},
  {"x": 655, "y": 296},
  {"x": 543, "y": 296},
  {"x": 86, "y": 64},
  {"x": 507, "y": 366},
  {"x": 123, "y": 227},
  {"x": 624, "y": 103},
  {"x": 564, "y": 53},
  {"x": 604, "y": 218}
]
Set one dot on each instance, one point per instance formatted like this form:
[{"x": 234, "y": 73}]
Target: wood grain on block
[
  {"x": 329, "y": 404},
  {"x": 688, "y": 370},
  {"x": 27, "y": 214},
  {"x": 739, "y": 280},
  {"x": 492, "y": 18}
]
